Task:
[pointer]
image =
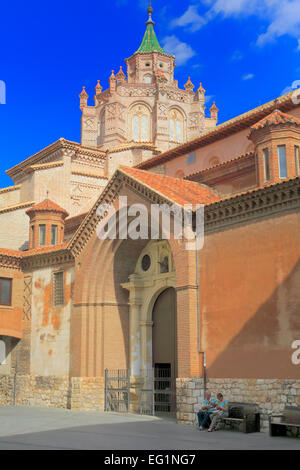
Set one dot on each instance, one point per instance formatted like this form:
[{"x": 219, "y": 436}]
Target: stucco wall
[{"x": 50, "y": 326}]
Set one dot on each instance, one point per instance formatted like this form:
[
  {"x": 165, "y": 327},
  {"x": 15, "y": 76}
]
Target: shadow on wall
[
  {"x": 125, "y": 260},
  {"x": 262, "y": 349}
]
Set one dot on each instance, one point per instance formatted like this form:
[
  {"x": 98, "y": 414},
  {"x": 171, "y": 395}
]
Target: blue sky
[{"x": 245, "y": 52}]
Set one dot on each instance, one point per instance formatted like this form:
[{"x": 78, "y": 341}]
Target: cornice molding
[
  {"x": 10, "y": 188},
  {"x": 15, "y": 207},
  {"x": 55, "y": 150},
  {"x": 40, "y": 260},
  {"x": 253, "y": 205},
  {"x": 10, "y": 261},
  {"x": 88, "y": 174}
]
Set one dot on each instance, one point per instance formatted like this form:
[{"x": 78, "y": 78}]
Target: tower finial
[{"x": 150, "y": 11}]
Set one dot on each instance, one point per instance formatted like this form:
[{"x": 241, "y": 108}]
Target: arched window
[
  {"x": 140, "y": 123},
  {"x": 148, "y": 78},
  {"x": 2, "y": 352},
  {"x": 176, "y": 126}
]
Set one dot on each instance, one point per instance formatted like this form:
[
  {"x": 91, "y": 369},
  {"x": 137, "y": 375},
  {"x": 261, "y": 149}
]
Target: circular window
[
  {"x": 161, "y": 65},
  {"x": 146, "y": 261}
]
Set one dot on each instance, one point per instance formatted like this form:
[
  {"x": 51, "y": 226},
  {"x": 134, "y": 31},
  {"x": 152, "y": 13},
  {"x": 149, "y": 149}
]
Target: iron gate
[
  {"x": 117, "y": 390},
  {"x": 158, "y": 395}
]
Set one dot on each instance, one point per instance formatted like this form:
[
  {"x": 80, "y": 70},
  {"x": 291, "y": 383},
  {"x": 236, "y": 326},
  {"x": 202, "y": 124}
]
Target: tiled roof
[
  {"x": 23, "y": 254},
  {"x": 9, "y": 252},
  {"x": 276, "y": 117},
  {"x": 150, "y": 42},
  {"x": 48, "y": 206},
  {"x": 44, "y": 249},
  {"x": 177, "y": 190}
]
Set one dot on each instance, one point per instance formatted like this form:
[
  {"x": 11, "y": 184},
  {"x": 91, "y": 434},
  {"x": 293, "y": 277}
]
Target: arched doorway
[
  {"x": 164, "y": 352},
  {"x": 152, "y": 309}
]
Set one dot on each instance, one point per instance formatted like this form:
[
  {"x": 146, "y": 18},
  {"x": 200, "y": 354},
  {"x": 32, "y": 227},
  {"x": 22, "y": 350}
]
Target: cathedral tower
[{"x": 145, "y": 112}]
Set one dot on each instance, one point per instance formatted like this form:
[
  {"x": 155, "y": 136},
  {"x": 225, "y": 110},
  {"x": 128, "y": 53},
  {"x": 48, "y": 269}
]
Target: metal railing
[{"x": 117, "y": 390}]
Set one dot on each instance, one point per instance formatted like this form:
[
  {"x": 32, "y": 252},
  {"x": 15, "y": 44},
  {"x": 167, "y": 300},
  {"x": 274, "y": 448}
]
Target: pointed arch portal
[{"x": 152, "y": 319}]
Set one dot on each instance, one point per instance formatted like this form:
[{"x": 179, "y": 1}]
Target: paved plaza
[{"x": 42, "y": 428}]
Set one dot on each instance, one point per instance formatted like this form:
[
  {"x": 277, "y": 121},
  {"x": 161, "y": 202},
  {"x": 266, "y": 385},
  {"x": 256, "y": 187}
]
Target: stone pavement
[{"x": 42, "y": 428}]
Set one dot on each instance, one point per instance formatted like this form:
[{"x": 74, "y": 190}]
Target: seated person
[
  {"x": 208, "y": 406},
  {"x": 220, "y": 410}
]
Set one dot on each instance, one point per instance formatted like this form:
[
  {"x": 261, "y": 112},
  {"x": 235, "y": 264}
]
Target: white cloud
[
  {"x": 281, "y": 16},
  {"x": 284, "y": 20},
  {"x": 294, "y": 85},
  {"x": 191, "y": 19},
  {"x": 182, "y": 51},
  {"x": 248, "y": 76}
]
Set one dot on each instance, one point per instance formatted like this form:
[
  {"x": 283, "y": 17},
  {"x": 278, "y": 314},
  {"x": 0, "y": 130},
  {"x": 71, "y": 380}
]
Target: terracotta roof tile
[
  {"x": 9, "y": 252},
  {"x": 47, "y": 205},
  {"x": 275, "y": 118},
  {"x": 35, "y": 251},
  {"x": 45, "y": 249},
  {"x": 177, "y": 190}
]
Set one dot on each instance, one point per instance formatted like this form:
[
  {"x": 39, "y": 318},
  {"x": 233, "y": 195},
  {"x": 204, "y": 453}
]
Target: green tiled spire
[{"x": 150, "y": 42}]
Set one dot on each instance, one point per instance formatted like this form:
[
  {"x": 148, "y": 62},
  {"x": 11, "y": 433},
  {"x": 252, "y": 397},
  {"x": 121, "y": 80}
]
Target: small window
[
  {"x": 148, "y": 79},
  {"x": 282, "y": 161},
  {"x": 267, "y": 164},
  {"x": 297, "y": 160},
  {"x": 5, "y": 291},
  {"x": 42, "y": 234},
  {"x": 191, "y": 158},
  {"x": 32, "y": 236},
  {"x": 2, "y": 352},
  {"x": 53, "y": 234},
  {"x": 58, "y": 288}
]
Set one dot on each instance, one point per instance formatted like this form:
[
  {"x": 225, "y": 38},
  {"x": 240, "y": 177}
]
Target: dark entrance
[{"x": 164, "y": 353}]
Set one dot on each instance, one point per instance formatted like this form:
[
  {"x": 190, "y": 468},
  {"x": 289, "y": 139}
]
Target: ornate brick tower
[
  {"x": 277, "y": 141},
  {"x": 47, "y": 224},
  {"x": 144, "y": 113}
]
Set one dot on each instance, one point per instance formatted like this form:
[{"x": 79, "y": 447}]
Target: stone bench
[
  {"x": 287, "y": 423},
  {"x": 243, "y": 417}
]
